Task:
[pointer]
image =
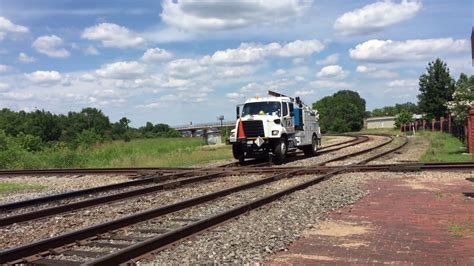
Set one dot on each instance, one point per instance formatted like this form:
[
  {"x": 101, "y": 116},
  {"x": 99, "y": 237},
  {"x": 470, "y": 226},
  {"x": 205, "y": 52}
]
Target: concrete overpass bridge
[{"x": 193, "y": 128}]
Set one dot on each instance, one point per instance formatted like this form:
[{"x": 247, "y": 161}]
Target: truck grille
[{"x": 253, "y": 128}]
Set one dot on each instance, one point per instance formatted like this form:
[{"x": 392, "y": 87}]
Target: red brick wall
[{"x": 470, "y": 130}]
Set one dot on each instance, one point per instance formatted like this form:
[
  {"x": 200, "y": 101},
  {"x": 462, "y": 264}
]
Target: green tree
[
  {"x": 463, "y": 96},
  {"x": 404, "y": 117},
  {"x": 342, "y": 112},
  {"x": 436, "y": 89}
]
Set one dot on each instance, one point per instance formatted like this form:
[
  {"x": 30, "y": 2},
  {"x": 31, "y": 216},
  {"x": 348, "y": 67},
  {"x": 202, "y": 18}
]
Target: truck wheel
[
  {"x": 238, "y": 152},
  {"x": 279, "y": 149},
  {"x": 310, "y": 150}
]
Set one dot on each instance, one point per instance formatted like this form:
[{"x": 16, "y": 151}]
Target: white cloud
[
  {"x": 91, "y": 50},
  {"x": 185, "y": 68},
  {"x": 390, "y": 51},
  {"x": 24, "y": 58},
  {"x": 332, "y": 71},
  {"x": 113, "y": 35},
  {"x": 304, "y": 92},
  {"x": 248, "y": 53},
  {"x": 234, "y": 71},
  {"x": 175, "y": 83},
  {"x": 376, "y": 73},
  {"x": 234, "y": 96},
  {"x": 279, "y": 72},
  {"x": 121, "y": 70},
  {"x": 329, "y": 60},
  {"x": 156, "y": 55},
  {"x": 406, "y": 83},
  {"x": 44, "y": 77},
  {"x": 16, "y": 96},
  {"x": 4, "y": 87},
  {"x": 329, "y": 84},
  {"x": 49, "y": 45},
  {"x": 6, "y": 26},
  {"x": 301, "y": 48},
  {"x": 4, "y": 68},
  {"x": 374, "y": 17},
  {"x": 297, "y": 61},
  {"x": 223, "y": 15}
]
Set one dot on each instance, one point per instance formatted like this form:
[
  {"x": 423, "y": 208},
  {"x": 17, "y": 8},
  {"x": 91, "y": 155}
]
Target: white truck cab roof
[{"x": 268, "y": 99}]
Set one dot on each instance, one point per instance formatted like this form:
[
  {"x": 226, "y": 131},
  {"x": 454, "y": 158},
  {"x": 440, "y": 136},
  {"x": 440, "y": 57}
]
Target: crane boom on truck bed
[{"x": 273, "y": 126}]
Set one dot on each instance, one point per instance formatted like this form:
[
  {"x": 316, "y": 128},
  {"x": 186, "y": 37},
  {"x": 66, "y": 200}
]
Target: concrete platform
[{"x": 409, "y": 221}]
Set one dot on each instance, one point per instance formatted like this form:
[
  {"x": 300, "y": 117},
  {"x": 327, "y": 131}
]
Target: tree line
[
  {"x": 439, "y": 94},
  {"x": 38, "y": 129}
]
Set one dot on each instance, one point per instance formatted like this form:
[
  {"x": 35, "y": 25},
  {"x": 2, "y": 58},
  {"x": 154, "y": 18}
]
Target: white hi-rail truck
[{"x": 274, "y": 126}]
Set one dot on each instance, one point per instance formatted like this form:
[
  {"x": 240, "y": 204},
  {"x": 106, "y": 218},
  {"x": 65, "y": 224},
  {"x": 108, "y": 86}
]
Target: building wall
[{"x": 385, "y": 123}]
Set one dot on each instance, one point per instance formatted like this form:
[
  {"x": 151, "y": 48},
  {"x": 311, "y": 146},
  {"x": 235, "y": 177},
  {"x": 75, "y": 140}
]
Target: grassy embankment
[
  {"x": 443, "y": 146},
  {"x": 159, "y": 152}
]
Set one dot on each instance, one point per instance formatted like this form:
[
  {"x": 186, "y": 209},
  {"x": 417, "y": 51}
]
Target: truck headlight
[{"x": 274, "y": 132}]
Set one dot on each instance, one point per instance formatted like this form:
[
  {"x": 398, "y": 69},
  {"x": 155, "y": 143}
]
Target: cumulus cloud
[
  {"x": 121, "y": 70},
  {"x": 185, "y": 68},
  {"x": 234, "y": 96},
  {"x": 44, "y": 77},
  {"x": 403, "y": 83},
  {"x": 332, "y": 71},
  {"x": 24, "y": 58},
  {"x": 301, "y": 48},
  {"x": 113, "y": 35},
  {"x": 4, "y": 87},
  {"x": 4, "y": 68},
  {"x": 376, "y": 73},
  {"x": 156, "y": 55},
  {"x": 279, "y": 72},
  {"x": 50, "y": 46},
  {"x": 329, "y": 84},
  {"x": 329, "y": 60},
  {"x": 91, "y": 50},
  {"x": 16, "y": 96},
  {"x": 390, "y": 51},
  {"x": 6, "y": 26},
  {"x": 374, "y": 17},
  {"x": 248, "y": 53},
  {"x": 194, "y": 15}
]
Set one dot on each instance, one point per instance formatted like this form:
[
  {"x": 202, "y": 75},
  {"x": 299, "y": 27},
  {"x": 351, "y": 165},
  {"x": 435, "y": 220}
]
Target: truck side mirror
[{"x": 237, "y": 111}]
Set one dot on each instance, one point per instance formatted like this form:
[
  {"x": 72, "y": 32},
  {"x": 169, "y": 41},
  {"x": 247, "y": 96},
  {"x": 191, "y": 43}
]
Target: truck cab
[{"x": 273, "y": 126}]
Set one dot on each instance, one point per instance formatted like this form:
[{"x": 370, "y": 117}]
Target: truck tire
[
  {"x": 238, "y": 152},
  {"x": 279, "y": 150},
  {"x": 310, "y": 150}
]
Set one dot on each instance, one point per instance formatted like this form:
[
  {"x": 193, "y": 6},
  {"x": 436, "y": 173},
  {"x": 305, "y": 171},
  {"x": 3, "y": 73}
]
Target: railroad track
[
  {"x": 149, "y": 184},
  {"x": 148, "y": 171},
  {"x": 42, "y": 251}
]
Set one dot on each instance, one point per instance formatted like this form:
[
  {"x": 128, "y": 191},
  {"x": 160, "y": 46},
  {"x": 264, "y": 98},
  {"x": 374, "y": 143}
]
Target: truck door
[{"x": 287, "y": 120}]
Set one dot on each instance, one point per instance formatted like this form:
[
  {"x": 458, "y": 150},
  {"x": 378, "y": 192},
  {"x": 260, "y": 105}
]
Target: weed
[{"x": 9, "y": 187}]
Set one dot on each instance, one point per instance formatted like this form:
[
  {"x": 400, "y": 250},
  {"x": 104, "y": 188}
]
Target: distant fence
[{"x": 447, "y": 125}]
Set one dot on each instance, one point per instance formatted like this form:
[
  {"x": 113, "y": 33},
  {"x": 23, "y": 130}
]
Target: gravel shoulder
[
  {"x": 56, "y": 184},
  {"x": 255, "y": 236}
]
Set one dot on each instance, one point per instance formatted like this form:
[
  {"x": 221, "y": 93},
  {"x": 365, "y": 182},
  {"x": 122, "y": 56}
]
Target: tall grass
[
  {"x": 159, "y": 152},
  {"x": 445, "y": 148}
]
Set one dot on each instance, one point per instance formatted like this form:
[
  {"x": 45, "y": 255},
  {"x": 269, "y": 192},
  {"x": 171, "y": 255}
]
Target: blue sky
[{"x": 182, "y": 61}]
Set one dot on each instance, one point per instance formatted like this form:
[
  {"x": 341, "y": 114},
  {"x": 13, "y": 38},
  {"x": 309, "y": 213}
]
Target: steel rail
[
  {"x": 28, "y": 216},
  {"x": 46, "y": 244},
  {"x": 82, "y": 192},
  {"x": 165, "y": 239}
]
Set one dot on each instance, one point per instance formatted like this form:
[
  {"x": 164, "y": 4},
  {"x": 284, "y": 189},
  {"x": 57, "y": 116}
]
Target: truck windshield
[{"x": 262, "y": 108}]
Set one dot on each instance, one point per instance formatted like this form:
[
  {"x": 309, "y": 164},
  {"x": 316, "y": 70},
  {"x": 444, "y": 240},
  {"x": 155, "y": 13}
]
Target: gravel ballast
[{"x": 253, "y": 237}]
